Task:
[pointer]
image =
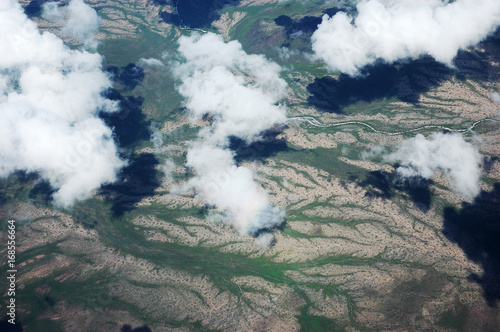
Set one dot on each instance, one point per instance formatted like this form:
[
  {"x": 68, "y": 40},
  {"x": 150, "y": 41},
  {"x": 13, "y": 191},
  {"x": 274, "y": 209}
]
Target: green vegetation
[{"x": 93, "y": 293}]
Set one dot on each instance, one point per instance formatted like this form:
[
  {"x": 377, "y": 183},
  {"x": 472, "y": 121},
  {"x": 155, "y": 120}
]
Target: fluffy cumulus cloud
[
  {"x": 459, "y": 160},
  {"x": 239, "y": 89},
  {"x": 49, "y": 100},
  {"x": 397, "y": 29},
  {"x": 152, "y": 62},
  {"x": 168, "y": 165},
  {"x": 495, "y": 97},
  {"x": 51, "y": 11},
  {"x": 82, "y": 21},
  {"x": 241, "y": 92}
]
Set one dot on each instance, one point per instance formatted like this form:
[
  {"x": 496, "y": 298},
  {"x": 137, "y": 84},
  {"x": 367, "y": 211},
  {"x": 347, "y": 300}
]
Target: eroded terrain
[{"x": 356, "y": 252}]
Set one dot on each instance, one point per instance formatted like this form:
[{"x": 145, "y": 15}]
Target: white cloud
[
  {"x": 231, "y": 188},
  {"x": 495, "y": 97},
  {"x": 168, "y": 165},
  {"x": 80, "y": 21},
  {"x": 168, "y": 168},
  {"x": 265, "y": 240},
  {"x": 83, "y": 23},
  {"x": 375, "y": 151},
  {"x": 459, "y": 160},
  {"x": 390, "y": 30},
  {"x": 285, "y": 53},
  {"x": 242, "y": 92},
  {"x": 243, "y": 105},
  {"x": 51, "y": 11},
  {"x": 152, "y": 62},
  {"x": 49, "y": 100},
  {"x": 156, "y": 135}
]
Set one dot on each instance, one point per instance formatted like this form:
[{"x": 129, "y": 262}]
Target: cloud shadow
[
  {"x": 306, "y": 24},
  {"x": 136, "y": 182},
  {"x": 41, "y": 192},
  {"x": 128, "y": 328},
  {"x": 476, "y": 230},
  {"x": 298, "y": 32},
  {"x": 34, "y": 8},
  {"x": 129, "y": 76},
  {"x": 382, "y": 184},
  {"x": 129, "y": 123},
  {"x": 196, "y": 13},
  {"x": 5, "y": 326},
  {"x": 138, "y": 179},
  {"x": 267, "y": 146},
  {"x": 480, "y": 64},
  {"x": 405, "y": 82}
]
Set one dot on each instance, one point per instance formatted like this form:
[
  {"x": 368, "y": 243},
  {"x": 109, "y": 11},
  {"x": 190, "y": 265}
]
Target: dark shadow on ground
[
  {"x": 270, "y": 230},
  {"x": 260, "y": 150},
  {"x": 161, "y": 2},
  {"x": 5, "y": 326},
  {"x": 488, "y": 163},
  {"x": 128, "y": 328},
  {"x": 418, "y": 192},
  {"x": 307, "y": 24},
  {"x": 405, "y": 80},
  {"x": 170, "y": 18},
  {"x": 136, "y": 181},
  {"x": 476, "y": 229},
  {"x": 129, "y": 123},
  {"x": 402, "y": 307},
  {"x": 379, "y": 184},
  {"x": 279, "y": 227},
  {"x": 205, "y": 209},
  {"x": 41, "y": 193},
  {"x": 129, "y": 127},
  {"x": 129, "y": 76},
  {"x": 480, "y": 65},
  {"x": 14, "y": 185},
  {"x": 19, "y": 183},
  {"x": 3, "y": 197},
  {"x": 297, "y": 32},
  {"x": 196, "y": 13},
  {"x": 34, "y": 8},
  {"x": 382, "y": 184},
  {"x": 381, "y": 81}
]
